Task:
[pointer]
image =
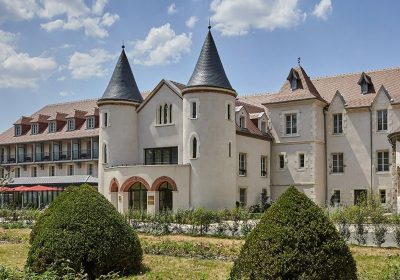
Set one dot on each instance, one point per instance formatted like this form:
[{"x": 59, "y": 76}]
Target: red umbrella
[{"x": 40, "y": 188}]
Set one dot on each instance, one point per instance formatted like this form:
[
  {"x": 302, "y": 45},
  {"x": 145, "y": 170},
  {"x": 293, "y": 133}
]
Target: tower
[
  {"x": 118, "y": 135},
  {"x": 209, "y": 131}
]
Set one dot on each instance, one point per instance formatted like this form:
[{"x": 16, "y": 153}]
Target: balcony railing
[
  {"x": 26, "y": 157},
  {"x": 42, "y": 157}
]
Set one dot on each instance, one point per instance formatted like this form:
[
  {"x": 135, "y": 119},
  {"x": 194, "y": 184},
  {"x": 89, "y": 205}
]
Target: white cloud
[
  {"x": 238, "y": 17},
  {"x": 67, "y": 15},
  {"x": 172, "y": 9},
  {"x": 88, "y": 65},
  {"x": 19, "y": 69},
  {"x": 161, "y": 46},
  {"x": 323, "y": 9},
  {"x": 65, "y": 93},
  {"x": 191, "y": 22}
]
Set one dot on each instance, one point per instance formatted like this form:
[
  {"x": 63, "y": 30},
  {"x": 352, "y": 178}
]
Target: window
[
  {"x": 293, "y": 83},
  {"x": 337, "y": 123},
  {"x": 263, "y": 127},
  {"x": 90, "y": 122},
  {"x": 105, "y": 154},
  {"x": 230, "y": 149},
  {"x": 337, "y": 163},
  {"x": 228, "y": 111},
  {"x": 71, "y": 124},
  {"x": 335, "y": 200},
  {"x": 165, "y": 114},
  {"x": 170, "y": 113},
  {"x": 17, "y": 172},
  {"x": 34, "y": 128},
  {"x": 193, "y": 109},
  {"x": 18, "y": 130},
  {"x": 291, "y": 124},
  {"x": 382, "y": 196},
  {"x": 360, "y": 196},
  {"x": 52, "y": 170},
  {"x": 90, "y": 169},
  {"x": 243, "y": 196},
  {"x": 138, "y": 197},
  {"x": 2, "y": 173},
  {"x": 242, "y": 122},
  {"x": 105, "y": 119},
  {"x": 301, "y": 161},
  {"x": 34, "y": 171},
  {"x": 281, "y": 161},
  {"x": 165, "y": 155},
  {"x": 364, "y": 88},
  {"x": 70, "y": 170},
  {"x": 242, "y": 164},
  {"x": 52, "y": 127},
  {"x": 383, "y": 161},
  {"x": 382, "y": 120},
  {"x": 194, "y": 147},
  {"x": 263, "y": 166}
]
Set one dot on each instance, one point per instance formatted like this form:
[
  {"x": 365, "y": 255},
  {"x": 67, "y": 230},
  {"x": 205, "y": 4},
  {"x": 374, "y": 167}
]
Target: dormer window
[
  {"x": 34, "y": 128},
  {"x": 52, "y": 127},
  {"x": 71, "y": 124},
  {"x": 242, "y": 122},
  {"x": 90, "y": 123},
  {"x": 18, "y": 130},
  {"x": 293, "y": 84},
  {"x": 293, "y": 79},
  {"x": 263, "y": 127},
  {"x": 365, "y": 83}
]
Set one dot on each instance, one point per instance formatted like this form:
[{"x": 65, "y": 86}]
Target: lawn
[{"x": 203, "y": 257}]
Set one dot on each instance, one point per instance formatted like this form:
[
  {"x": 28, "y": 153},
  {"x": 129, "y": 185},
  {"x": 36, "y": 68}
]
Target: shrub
[
  {"x": 83, "y": 231},
  {"x": 396, "y": 232},
  {"x": 359, "y": 216},
  {"x": 340, "y": 216},
  {"x": 294, "y": 240}
]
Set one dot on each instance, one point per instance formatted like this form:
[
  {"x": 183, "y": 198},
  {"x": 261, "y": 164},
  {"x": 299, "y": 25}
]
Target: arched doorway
[
  {"x": 114, "y": 192},
  {"x": 137, "y": 197},
  {"x": 165, "y": 196}
]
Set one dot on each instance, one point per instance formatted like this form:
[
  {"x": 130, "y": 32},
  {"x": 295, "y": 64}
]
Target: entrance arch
[
  {"x": 137, "y": 198},
  {"x": 165, "y": 186},
  {"x": 114, "y": 186}
]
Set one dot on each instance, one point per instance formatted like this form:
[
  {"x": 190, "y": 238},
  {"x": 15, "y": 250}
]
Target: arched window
[
  {"x": 105, "y": 154},
  {"x": 165, "y": 113},
  {"x": 165, "y": 197},
  {"x": 138, "y": 197},
  {"x": 160, "y": 115},
  {"x": 230, "y": 149},
  {"x": 170, "y": 113},
  {"x": 194, "y": 147}
]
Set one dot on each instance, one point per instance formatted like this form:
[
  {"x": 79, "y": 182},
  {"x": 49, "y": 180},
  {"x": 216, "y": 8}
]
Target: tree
[
  {"x": 294, "y": 240},
  {"x": 82, "y": 230}
]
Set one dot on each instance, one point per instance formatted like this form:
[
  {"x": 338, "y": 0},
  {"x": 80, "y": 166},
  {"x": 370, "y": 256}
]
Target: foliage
[
  {"x": 391, "y": 270},
  {"x": 294, "y": 240},
  {"x": 340, "y": 216},
  {"x": 83, "y": 231}
]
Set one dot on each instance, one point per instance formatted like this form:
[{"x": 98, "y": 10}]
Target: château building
[{"x": 200, "y": 144}]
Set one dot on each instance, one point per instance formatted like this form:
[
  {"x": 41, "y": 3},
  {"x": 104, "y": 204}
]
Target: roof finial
[
  {"x": 123, "y": 44},
  {"x": 209, "y": 24},
  {"x": 298, "y": 60}
]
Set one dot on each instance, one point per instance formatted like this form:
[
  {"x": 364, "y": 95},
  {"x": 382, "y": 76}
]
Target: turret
[
  {"x": 209, "y": 131},
  {"x": 118, "y": 135}
]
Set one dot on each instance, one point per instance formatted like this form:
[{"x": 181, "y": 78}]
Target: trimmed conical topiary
[
  {"x": 83, "y": 231},
  {"x": 294, "y": 240}
]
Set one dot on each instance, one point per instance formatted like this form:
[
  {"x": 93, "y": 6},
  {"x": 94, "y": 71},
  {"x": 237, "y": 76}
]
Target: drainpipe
[
  {"x": 370, "y": 131},
  {"x": 326, "y": 158}
]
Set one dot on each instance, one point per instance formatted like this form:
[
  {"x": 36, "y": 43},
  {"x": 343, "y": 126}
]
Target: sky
[{"x": 54, "y": 51}]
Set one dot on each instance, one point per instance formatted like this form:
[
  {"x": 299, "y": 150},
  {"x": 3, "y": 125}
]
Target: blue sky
[{"x": 55, "y": 51}]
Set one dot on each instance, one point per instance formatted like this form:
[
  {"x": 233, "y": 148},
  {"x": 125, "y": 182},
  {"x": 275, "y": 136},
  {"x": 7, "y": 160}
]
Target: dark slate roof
[
  {"x": 209, "y": 70},
  {"x": 122, "y": 85}
]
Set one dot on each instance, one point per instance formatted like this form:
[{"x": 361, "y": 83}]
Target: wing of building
[{"x": 199, "y": 144}]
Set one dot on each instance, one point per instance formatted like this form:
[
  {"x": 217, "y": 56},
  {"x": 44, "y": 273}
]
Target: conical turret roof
[
  {"x": 209, "y": 70},
  {"x": 122, "y": 85}
]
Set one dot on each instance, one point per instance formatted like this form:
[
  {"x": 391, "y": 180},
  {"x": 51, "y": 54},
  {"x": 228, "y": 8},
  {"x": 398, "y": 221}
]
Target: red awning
[
  {"x": 33, "y": 189},
  {"x": 5, "y": 189}
]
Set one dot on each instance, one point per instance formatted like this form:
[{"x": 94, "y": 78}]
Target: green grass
[{"x": 168, "y": 263}]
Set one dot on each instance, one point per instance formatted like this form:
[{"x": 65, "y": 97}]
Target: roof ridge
[
  {"x": 70, "y": 102},
  {"x": 254, "y": 94},
  {"x": 354, "y": 73}
]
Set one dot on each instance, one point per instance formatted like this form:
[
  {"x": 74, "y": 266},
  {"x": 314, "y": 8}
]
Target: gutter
[
  {"x": 370, "y": 131},
  {"x": 326, "y": 158}
]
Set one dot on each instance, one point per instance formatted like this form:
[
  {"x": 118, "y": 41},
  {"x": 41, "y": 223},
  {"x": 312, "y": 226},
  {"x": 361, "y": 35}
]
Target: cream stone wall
[
  {"x": 161, "y": 135},
  {"x": 253, "y": 182},
  {"x": 309, "y": 141}
]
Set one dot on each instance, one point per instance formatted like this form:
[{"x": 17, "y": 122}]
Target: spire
[
  {"x": 209, "y": 70},
  {"x": 122, "y": 85}
]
